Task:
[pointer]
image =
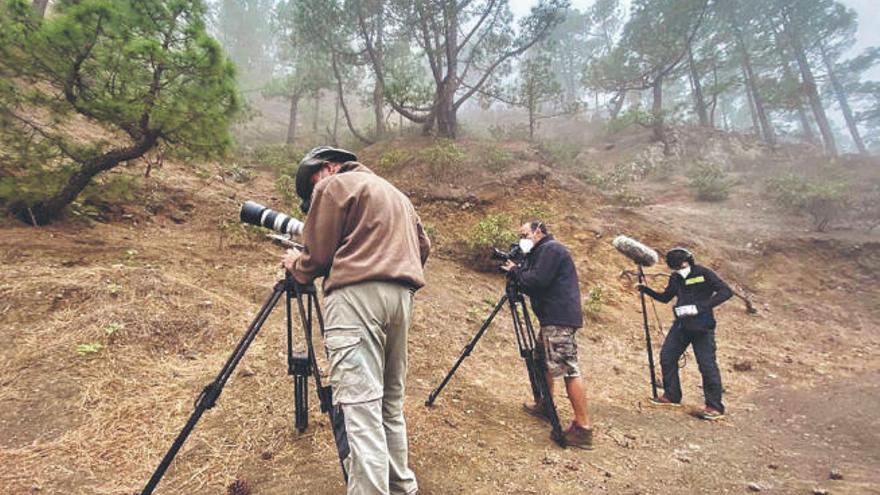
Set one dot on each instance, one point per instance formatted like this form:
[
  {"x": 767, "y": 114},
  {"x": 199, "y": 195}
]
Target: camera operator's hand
[
  {"x": 289, "y": 257},
  {"x": 508, "y": 265}
]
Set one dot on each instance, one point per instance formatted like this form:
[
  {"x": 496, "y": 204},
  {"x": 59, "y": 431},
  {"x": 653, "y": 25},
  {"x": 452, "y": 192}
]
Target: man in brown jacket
[{"x": 364, "y": 237}]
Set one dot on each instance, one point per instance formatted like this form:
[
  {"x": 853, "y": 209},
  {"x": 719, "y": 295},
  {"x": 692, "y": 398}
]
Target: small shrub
[
  {"x": 236, "y": 173},
  {"x": 710, "y": 181},
  {"x": 285, "y": 186},
  {"x": 443, "y": 159},
  {"x": 281, "y": 157},
  {"x": 824, "y": 200},
  {"x": 631, "y": 116},
  {"x": 497, "y": 159},
  {"x": 90, "y": 348},
  {"x": 593, "y": 302},
  {"x": 625, "y": 198},
  {"x": 392, "y": 160},
  {"x": 537, "y": 212},
  {"x": 113, "y": 327},
  {"x": 492, "y": 231},
  {"x": 557, "y": 153},
  {"x": 589, "y": 175}
]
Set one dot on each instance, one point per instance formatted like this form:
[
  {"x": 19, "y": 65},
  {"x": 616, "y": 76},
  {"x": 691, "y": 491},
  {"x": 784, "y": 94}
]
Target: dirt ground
[{"x": 168, "y": 295}]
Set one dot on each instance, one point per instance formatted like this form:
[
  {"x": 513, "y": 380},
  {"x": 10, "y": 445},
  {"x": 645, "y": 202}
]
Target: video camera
[{"x": 515, "y": 254}]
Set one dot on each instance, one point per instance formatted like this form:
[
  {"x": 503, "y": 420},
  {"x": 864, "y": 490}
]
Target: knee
[{"x": 668, "y": 358}]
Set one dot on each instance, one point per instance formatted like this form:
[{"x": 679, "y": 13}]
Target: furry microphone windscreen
[{"x": 635, "y": 250}]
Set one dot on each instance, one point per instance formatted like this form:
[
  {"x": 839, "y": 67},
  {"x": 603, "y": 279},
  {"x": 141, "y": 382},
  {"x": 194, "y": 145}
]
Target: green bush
[
  {"x": 492, "y": 231},
  {"x": 632, "y": 115},
  {"x": 443, "y": 159},
  {"x": 593, "y": 303},
  {"x": 281, "y": 157},
  {"x": 710, "y": 181},
  {"x": 557, "y": 153},
  {"x": 392, "y": 160},
  {"x": 537, "y": 212},
  {"x": 824, "y": 200},
  {"x": 497, "y": 159},
  {"x": 285, "y": 186},
  {"x": 235, "y": 172}
]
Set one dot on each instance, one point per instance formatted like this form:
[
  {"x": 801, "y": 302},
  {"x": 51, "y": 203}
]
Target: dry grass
[{"x": 100, "y": 422}]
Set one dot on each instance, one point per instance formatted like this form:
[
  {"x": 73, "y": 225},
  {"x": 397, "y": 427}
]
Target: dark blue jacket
[
  {"x": 702, "y": 288},
  {"x": 548, "y": 276}
]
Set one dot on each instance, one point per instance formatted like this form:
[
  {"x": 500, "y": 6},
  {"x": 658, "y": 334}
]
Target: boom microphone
[{"x": 635, "y": 250}]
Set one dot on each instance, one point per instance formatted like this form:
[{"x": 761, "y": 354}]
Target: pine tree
[{"x": 144, "y": 70}]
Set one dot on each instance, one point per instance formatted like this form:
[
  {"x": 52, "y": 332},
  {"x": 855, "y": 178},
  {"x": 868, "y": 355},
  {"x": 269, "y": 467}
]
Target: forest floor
[{"x": 168, "y": 293}]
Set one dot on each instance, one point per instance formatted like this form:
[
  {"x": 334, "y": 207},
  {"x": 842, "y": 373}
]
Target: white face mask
[
  {"x": 526, "y": 245},
  {"x": 684, "y": 272}
]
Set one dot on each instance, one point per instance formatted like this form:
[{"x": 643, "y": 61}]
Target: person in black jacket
[
  {"x": 548, "y": 276},
  {"x": 698, "y": 291}
]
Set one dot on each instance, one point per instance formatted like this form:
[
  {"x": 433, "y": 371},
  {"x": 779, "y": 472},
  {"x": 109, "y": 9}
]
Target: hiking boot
[
  {"x": 537, "y": 410},
  {"x": 579, "y": 437},
  {"x": 663, "y": 401},
  {"x": 710, "y": 414}
]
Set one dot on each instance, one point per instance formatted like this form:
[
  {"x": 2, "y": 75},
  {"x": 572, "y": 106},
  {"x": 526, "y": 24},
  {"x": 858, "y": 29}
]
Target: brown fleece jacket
[{"x": 361, "y": 228}]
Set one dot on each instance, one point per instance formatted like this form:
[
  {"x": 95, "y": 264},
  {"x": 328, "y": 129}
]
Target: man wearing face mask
[
  {"x": 698, "y": 290},
  {"x": 548, "y": 276},
  {"x": 364, "y": 237}
]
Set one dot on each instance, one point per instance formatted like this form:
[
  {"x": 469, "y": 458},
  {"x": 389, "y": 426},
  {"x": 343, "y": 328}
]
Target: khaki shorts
[{"x": 561, "y": 350}]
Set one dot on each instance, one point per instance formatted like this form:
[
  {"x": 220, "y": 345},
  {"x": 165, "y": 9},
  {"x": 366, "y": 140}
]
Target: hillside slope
[{"x": 168, "y": 291}]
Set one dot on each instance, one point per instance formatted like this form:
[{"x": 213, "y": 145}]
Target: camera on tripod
[
  {"x": 515, "y": 254},
  {"x": 256, "y": 214}
]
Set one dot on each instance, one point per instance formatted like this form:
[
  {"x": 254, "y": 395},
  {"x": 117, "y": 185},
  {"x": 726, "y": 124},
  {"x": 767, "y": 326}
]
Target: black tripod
[
  {"x": 536, "y": 366},
  {"x": 299, "y": 364}
]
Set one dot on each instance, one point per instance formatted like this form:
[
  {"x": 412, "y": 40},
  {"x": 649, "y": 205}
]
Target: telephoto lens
[{"x": 257, "y": 214}]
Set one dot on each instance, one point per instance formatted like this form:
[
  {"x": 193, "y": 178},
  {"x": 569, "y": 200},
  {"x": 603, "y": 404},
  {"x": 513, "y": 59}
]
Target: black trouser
[{"x": 674, "y": 346}]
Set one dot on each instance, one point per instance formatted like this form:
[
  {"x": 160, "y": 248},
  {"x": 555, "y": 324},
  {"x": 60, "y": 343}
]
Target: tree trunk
[
  {"x": 336, "y": 123},
  {"x": 756, "y": 127},
  {"x": 714, "y": 104},
  {"x": 657, "y": 123},
  {"x": 532, "y": 117},
  {"x": 40, "y": 6},
  {"x": 811, "y": 90},
  {"x": 766, "y": 129},
  {"x": 447, "y": 124},
  {"x": 699, "y": 102},
  {"x": 316, "y": 115},
  {"x": 341, "y": 99},
  {"x": 806, "y": 127},
  {"x": 844, "y": 104},
  {"x": 378, "y": 109},
  {"x": 51, "y": 208},
  {"x": 617, "y": 106},
  {"x": 291, "y": 123},
  {"x": 379, "y": 89}
]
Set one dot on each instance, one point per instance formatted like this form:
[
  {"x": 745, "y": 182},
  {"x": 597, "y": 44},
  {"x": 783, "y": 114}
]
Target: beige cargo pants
[{"x": 365, "y": 337}]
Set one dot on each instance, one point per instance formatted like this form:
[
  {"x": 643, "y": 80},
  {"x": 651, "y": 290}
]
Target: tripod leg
[
  {"x": 466, "y": 351},
  {"x": 307, "y": 310},
  {"x": 211, "y": 393},
  {"x": 648, "y": 336},
  {"x": 301, "y": 402},
  {"x": 537, "y": 369}
]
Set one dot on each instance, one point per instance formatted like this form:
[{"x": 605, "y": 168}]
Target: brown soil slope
[{"x": 167, "y": 296}]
